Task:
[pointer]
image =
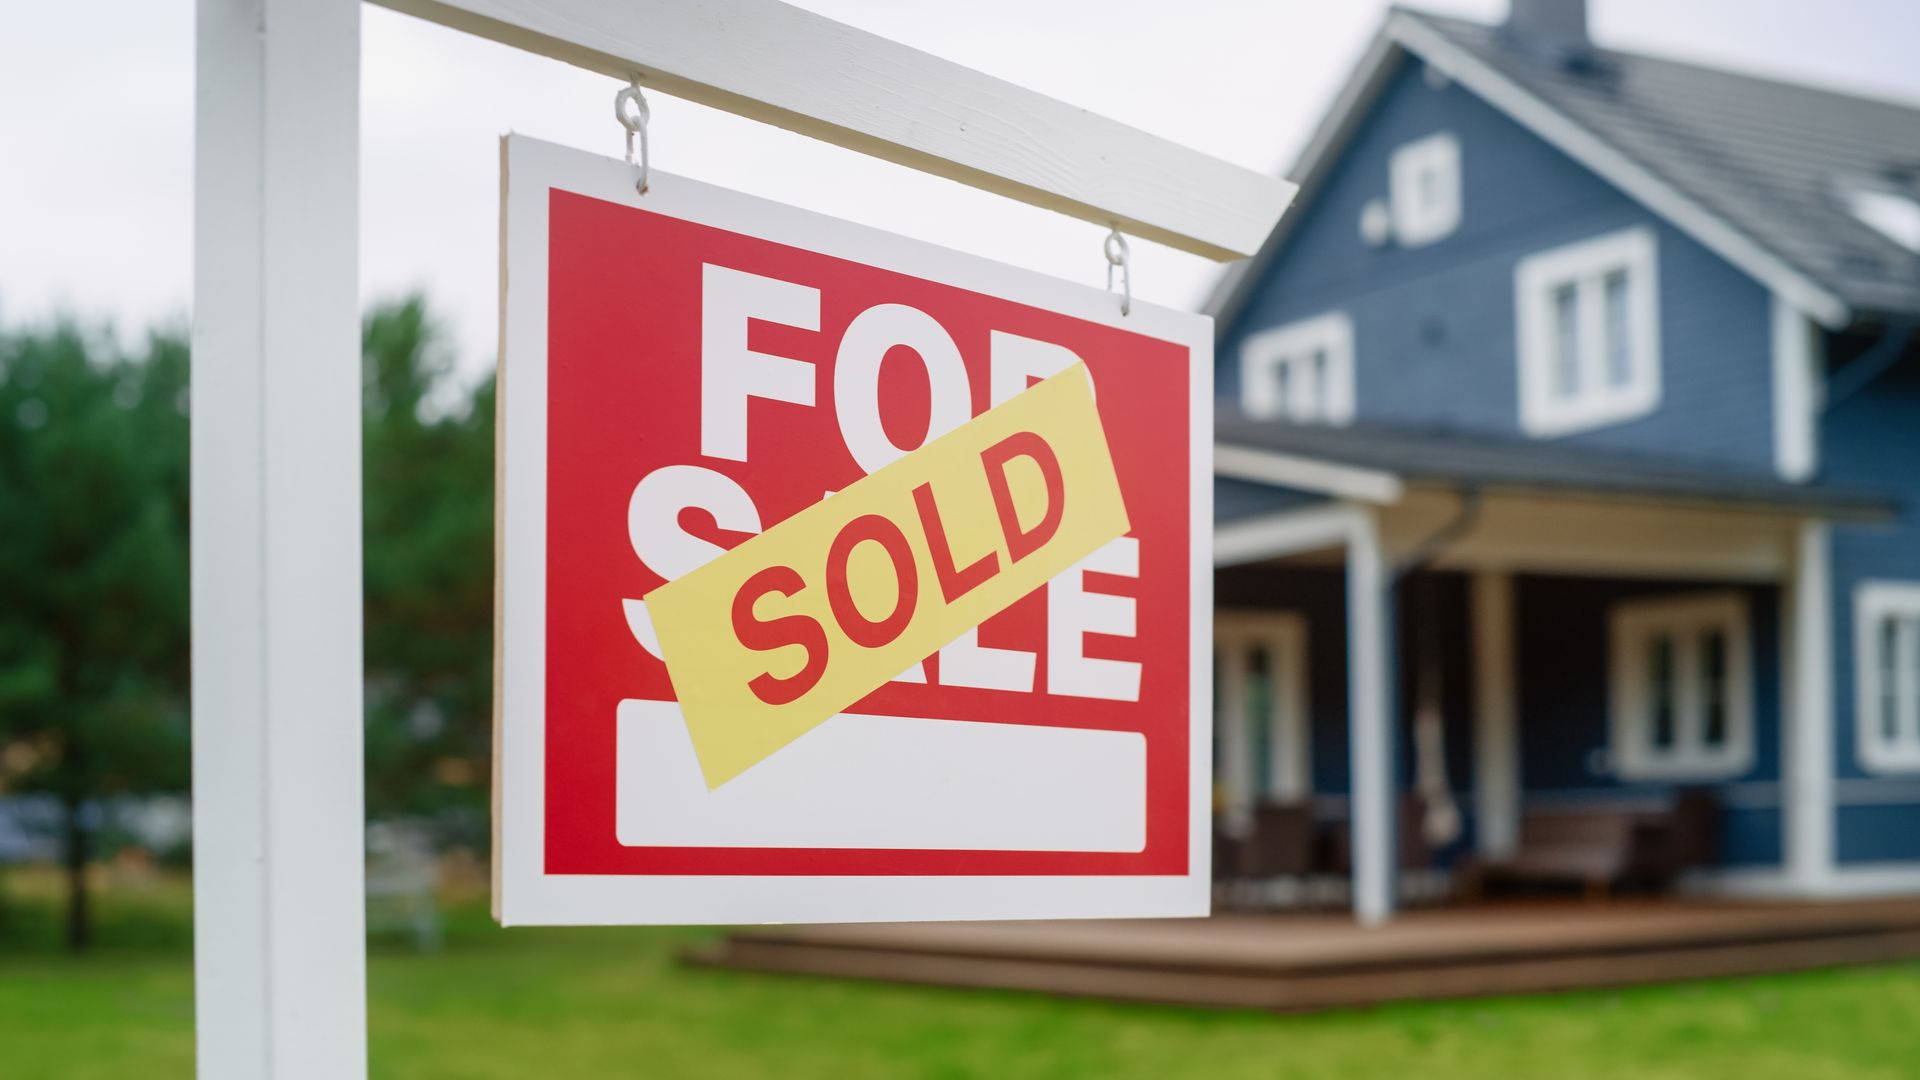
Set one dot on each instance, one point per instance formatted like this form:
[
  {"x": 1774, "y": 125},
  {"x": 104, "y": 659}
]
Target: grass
[{"x": 609, "y": 1003}]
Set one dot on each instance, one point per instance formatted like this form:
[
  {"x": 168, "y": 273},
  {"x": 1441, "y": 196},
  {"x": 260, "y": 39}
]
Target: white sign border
[{"x": 524, "y": 894}]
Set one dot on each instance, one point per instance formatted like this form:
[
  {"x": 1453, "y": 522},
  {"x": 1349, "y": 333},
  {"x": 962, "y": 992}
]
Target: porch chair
[{"x": 1280, "y": 844}]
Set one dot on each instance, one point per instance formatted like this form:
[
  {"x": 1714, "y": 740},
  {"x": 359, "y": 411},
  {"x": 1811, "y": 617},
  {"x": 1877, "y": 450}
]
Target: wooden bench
[{"x": 1600, "y": 847}]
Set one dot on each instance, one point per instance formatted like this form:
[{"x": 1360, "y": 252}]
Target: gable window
[
  {"x": 1301, "y": 372},
  {"x": 1423, "y": 184},
  {"x": 1681, "y": 688},
  {"x": 1588, "y": 333},
  {"x": 1886, "y": 702}
]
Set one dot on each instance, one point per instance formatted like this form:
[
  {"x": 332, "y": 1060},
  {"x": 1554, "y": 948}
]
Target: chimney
[{"x": 1560, "y": 25}]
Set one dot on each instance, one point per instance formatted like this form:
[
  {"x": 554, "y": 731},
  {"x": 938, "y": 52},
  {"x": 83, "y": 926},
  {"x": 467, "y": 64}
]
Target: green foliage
[
  {"x": 429, "y": 573},
  {"x": 93, "y": 565},
  {"x": 94, "y": 582},
  {"x": 93, "y": 575}
]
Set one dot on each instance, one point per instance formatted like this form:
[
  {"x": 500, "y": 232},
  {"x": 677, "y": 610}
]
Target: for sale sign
[{"x": 842, "y": 577}]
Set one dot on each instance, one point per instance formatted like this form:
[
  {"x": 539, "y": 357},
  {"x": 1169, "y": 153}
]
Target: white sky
[{"x": 96, "y": 127}]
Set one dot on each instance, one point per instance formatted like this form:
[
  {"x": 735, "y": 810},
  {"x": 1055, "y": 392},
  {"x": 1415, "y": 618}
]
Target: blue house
[{"x": 1568, "y": 463}]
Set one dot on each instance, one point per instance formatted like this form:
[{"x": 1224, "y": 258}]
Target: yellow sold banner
[{"x": 796, "y": 624}]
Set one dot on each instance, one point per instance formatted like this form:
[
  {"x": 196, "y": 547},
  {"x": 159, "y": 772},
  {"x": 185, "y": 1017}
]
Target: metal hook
[
  {"x": 636, "y": 124},
  {"x": 1119, "y": 255}
]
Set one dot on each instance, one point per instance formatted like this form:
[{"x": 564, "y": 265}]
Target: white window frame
[
  {"x": 1585, "y": 267},
  {"x": 1632, "y": 626},
  {"x": 1324, "y": 397},
  {"x": 1284, "y": 636},
  {"x": 1875, "y": 602},
  {"x": 1419, "y": 220}
]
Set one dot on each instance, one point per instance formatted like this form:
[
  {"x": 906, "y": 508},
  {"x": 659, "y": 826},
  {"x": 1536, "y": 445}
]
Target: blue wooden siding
[
  {"x": 1562, "y": 664},
  {"x": 1870, "y": 440},
  {"x": 1434, "y": 326}
]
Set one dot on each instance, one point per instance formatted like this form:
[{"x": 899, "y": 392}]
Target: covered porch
[
  {"x": 1424, "y": 646},
  {"x": 1445, "y": 661}
]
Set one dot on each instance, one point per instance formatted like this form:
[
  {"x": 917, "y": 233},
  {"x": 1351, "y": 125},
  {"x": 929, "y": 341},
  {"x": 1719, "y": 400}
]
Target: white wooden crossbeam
[{"x": 776, "y": 63}]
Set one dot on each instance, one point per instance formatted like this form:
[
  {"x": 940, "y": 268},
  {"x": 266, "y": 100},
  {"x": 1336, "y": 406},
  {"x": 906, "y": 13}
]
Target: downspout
[
  {"x": 1870, "y": 365},
  {"x": 1462, "y": 522}
]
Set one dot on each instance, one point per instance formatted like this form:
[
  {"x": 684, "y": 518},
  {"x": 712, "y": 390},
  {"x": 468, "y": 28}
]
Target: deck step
[{"x": 1361, "y": 973}]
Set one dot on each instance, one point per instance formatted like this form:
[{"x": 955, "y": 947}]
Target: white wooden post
[
  {"x": 1290, "y": 750},
  {"x": 1806, "y": 742},
  {"x": 1369, "y": 695},
  {"x": 1496, "y": 735},
  {"x": 280, "y": 951}
]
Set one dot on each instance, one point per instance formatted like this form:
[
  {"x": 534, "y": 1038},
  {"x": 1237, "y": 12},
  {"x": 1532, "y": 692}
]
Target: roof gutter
[
  {"x": 1863, "y": 510},
  {"x": 1301, "y": 473}
]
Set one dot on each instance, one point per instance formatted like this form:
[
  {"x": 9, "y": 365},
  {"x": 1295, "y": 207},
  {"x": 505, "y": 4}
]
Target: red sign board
[{"x": 692, "y": 369}]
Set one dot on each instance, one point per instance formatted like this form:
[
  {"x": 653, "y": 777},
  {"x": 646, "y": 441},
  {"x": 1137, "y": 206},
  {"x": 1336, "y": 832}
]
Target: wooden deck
[{"x": 1309, "y": 961}]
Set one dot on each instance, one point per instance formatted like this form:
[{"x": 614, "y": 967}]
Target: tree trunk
[{"x": 79, "y": 915}]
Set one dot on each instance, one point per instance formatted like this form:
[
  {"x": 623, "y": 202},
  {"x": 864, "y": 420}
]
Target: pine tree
[{"x": 93, "y": 579}]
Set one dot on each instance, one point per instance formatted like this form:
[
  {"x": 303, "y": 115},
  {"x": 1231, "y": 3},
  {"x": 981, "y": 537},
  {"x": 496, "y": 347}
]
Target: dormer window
[
  {"x": 1893, "y": 214},
  {"x": 1588, "y": 334},
  {"x": 1423, "y": 184},
  {"x": 1301, "y": 372}
]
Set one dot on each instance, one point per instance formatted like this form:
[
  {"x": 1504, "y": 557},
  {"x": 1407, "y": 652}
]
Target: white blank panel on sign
[{"x": 861, "y": 781}]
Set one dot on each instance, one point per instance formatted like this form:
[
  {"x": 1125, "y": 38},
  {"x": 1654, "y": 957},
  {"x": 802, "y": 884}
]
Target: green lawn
[{"x": 613, "y": 1003}]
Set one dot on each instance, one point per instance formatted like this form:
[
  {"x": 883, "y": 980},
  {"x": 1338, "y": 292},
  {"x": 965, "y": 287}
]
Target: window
[
  {"x": 1886, "y": 703},
  {"x": 1302, "y": 372},
  {"x": 1260, "y": 712},
  {"x": 1681, "y": 694},
  {"x": 1423, "y": 183},
  {"x": 1588, "y": 334}
]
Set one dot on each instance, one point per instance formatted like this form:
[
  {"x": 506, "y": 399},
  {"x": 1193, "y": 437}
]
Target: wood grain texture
[{"x": 780, "y": 65}]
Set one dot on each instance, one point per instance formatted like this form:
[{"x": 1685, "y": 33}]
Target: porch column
[
  {"x": 1496, "y": 741},
  {"x": 1232, "y": 736},
  {"x": 1369, "y": 674},
  {"x": 1806, "y": 735}
]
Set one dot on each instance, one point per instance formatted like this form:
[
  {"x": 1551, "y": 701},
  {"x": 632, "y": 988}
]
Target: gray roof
[
  {"x": 1452, "y": 459},
  {"x": 1236, "y": 500},
  {"x": 1755, "y": 168},
  {"x": 1771, "y": 158}
]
